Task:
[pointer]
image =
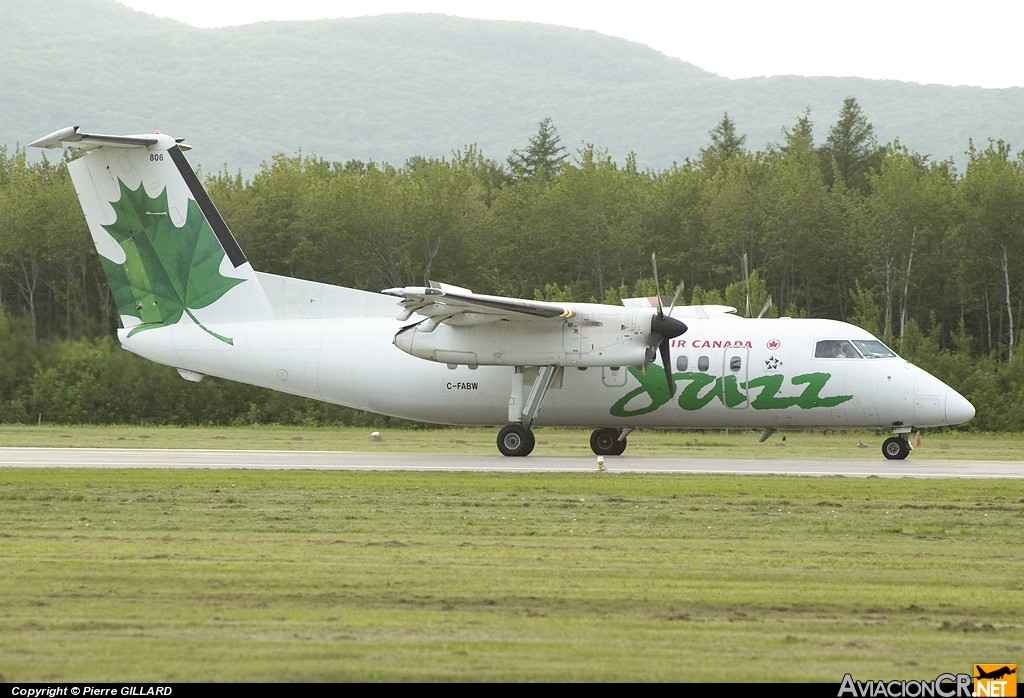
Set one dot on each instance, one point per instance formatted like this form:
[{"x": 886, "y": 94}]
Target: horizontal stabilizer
[{"x": 72, "y": 137}]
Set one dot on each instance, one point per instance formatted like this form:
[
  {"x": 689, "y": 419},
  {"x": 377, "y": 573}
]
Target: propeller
[{"x": 664, "y": 328}]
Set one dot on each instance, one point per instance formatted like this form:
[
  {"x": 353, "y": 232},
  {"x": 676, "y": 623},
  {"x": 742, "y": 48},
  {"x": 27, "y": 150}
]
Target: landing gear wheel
[
  {"x": 516, "y": 440},
  {"x": 896, "y": 448},
  {"x": 606, "y": 442}
]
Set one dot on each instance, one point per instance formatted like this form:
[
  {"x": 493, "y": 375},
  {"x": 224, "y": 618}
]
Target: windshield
[
  {"x": 852, "y": 349},
  {"x": 873, "y": 349},
  {"x": 835, "y": 349}
]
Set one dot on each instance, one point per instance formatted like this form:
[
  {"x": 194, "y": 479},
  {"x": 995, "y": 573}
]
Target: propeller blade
[
  {"x": 746, "y": 281},
  {"x": 657, "y": 284},
  {"x": 764, "y": 310},
  {"x": 652, "y": 350},
  {"x": 666, "y": 362},
  {"x": 675, "y": 297}
]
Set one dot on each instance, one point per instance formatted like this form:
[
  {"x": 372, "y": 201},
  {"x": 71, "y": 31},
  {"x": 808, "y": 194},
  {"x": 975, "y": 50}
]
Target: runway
[{"x": 352, "y": 460}]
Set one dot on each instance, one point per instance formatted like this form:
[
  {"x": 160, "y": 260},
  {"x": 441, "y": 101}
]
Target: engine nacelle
[{"x": 608, "y": 339}]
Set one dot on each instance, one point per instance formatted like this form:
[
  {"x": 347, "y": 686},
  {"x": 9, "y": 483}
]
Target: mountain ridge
[{"x": 393, "y": 87}]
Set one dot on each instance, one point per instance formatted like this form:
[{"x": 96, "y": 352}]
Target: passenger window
[
  {"x": 682, "y": 363},
  {"x": 735, "y": 363},
  {"x": 703, "y": 363}
]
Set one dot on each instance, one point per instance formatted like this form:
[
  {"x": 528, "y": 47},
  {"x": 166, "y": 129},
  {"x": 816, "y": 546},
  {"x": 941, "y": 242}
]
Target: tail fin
[{"x": 166, "y": 251}]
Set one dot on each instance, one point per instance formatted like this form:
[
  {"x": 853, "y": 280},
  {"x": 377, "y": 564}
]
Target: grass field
[{"x": 311, "y": 576}]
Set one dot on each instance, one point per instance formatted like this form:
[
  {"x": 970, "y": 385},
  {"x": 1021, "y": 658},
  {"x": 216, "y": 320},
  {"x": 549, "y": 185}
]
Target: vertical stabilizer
[{"x": 167, "y": 253}]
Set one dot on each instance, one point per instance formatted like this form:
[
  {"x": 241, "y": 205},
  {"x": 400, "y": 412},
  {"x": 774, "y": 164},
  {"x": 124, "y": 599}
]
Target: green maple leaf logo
[{"x": 168, "y": 271}]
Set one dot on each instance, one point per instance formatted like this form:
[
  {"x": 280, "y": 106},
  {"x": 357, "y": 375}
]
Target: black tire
[
  {"x": 516, "y": 440},
  {"x": 605, "y": 442},
  {"x": 895, "y": 448}
]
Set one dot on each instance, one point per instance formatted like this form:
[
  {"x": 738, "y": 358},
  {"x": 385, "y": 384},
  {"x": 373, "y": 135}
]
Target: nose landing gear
[{"x": 896, "y": 447}]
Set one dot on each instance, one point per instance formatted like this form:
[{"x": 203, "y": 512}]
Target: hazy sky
[{"x": 949, "y": 43}]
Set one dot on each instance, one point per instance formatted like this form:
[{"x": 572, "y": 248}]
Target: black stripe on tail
[{"x": 220, "y": 228}]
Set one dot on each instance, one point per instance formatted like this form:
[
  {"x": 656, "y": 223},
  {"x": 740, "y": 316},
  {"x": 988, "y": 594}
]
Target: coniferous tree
[
  {"x": 544, "y": 156},
  {"x": 801, "y": 135},
  {"x": 851, "y": 150},
  {"x": 726, "y": 144}
]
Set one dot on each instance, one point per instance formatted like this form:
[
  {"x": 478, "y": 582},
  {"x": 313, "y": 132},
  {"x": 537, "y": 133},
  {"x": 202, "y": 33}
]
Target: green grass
[
  {"x": 325, "y": 576},
  {"x": 943, "y": 445}
]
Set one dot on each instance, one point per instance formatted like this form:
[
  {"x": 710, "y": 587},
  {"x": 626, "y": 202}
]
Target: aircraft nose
[{"x": 958, "y": 408}]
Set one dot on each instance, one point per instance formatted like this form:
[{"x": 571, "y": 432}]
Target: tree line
[{"x": 929, "y": 258}]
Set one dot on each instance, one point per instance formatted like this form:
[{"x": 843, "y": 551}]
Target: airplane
[
  {"x": 995, "y": 674},
  {"x": 189, "y": 298}
]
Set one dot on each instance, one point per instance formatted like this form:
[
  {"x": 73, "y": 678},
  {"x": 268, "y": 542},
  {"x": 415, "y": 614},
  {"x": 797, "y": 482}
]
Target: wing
[
  {"x": 462, "y": 327},
  {"x": 452, "y": 305}
]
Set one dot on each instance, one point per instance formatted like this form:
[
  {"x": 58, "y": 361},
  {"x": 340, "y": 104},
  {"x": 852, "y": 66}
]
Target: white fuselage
[{"x": 729, "y": 372}]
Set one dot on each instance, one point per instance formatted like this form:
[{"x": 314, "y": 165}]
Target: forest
[{"x": 926, "y": 255}]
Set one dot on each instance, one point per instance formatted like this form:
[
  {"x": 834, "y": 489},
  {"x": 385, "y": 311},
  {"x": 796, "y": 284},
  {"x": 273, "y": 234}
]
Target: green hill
[{"x": 387, "y": 88}]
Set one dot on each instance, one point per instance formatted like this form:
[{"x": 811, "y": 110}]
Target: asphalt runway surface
[{"x": 354, "y": 460}]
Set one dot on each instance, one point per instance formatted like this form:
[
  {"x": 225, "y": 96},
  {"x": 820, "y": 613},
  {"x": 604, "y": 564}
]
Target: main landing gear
[{"x": 516, "y": 438}]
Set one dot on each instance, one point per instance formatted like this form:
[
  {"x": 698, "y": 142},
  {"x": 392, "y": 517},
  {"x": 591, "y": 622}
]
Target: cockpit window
[
  {"x": 836, "y": 349},
  {"x": 873, "y": 349}
]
